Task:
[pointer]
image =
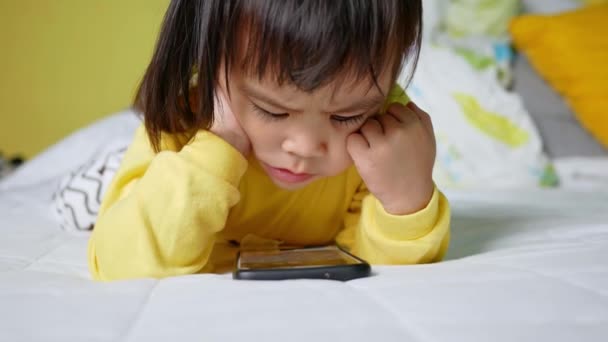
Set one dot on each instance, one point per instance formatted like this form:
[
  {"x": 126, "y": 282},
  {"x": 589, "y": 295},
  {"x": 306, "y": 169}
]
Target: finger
[
  {"x": 403, "y": 114},
  {"x": 372, "y": 129},
  {"x": 388, "y": 122},
  {"x": 414, "y": 108},
  {"x": 427, "y": 122},
  {"x": 356, "y": 144},
  {"x": 395, "y": 110},
  {"x": 424, "y": 117}
]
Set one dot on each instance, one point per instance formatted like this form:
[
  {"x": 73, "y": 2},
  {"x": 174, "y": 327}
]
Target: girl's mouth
[{"x": 286, "y": 176}]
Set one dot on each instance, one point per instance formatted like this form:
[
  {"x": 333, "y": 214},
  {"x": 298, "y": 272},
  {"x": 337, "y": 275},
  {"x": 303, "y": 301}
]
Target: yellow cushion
[
  {"x": 594, "y": 2},
  {"x": 570, "y": 51}
]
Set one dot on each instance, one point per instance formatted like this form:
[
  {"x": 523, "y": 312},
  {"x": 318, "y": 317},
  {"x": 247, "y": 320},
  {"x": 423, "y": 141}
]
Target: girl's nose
[{"x": 306, "y": 145}]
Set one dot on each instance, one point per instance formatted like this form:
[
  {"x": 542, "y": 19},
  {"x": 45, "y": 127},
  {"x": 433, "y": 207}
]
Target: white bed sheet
[{"x": 525, "y": 265}]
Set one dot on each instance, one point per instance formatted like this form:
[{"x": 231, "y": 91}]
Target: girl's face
[{"x": 299, "y": 137}]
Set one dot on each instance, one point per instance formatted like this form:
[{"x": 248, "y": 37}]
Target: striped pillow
[{"x": 79, "y": 194}]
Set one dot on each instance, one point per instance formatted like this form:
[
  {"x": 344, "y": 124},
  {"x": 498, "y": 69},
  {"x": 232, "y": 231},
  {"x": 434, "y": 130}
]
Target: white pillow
[
  {"x": 485, "y": 136},
  {"x": 79, "y": 195},
  {"x": 550, "y": 6},
  {"x": 433, "y": 13},
  {"x": 476, "y": 29}
]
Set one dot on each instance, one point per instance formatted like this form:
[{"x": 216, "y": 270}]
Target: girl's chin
[{"x": 291, "y": 186}]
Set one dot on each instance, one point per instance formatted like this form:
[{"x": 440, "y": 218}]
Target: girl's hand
[
  {"x": 394, "y": 154},
  {"x": 227, "y": 126}
]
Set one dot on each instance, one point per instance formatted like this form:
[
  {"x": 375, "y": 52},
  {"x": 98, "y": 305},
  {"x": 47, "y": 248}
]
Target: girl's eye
[
  {"x": 268, "y": 115},
  {"x": 348, "y": 120},
  {"x": 341, "y": 120}
]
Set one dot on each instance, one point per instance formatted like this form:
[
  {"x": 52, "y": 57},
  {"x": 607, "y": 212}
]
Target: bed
[
  {"x": 523, "y": 265},
  {"x": 526, "y": 263}
]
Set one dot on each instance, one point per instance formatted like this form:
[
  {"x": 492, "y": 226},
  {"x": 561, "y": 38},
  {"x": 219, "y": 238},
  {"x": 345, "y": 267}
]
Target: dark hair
[{"x": 307, "y": 43}]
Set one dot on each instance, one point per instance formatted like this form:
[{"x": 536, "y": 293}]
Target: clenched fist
[{"x": 394, "y": 154}]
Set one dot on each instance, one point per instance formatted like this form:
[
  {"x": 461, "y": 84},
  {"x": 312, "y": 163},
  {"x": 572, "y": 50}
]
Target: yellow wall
[{"x": 66, "y": 63}]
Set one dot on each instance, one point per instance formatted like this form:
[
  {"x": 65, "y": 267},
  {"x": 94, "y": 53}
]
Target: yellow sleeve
[
  {"x": 382, "y": 238},
  {"x": 162, "y": 211}
]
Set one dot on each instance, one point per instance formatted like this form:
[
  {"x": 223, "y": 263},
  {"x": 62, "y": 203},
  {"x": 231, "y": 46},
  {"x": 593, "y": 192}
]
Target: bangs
[{"x": 312, "y": 43}]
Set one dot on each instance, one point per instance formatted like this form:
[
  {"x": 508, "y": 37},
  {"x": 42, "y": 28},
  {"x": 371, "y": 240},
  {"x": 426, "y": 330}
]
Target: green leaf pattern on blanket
[
  {"x": 480, "y": 17},
  {"x": 549, "y": 177},
  {"x": 476, "y": 60},
  {"x": 493, "y": 124}
]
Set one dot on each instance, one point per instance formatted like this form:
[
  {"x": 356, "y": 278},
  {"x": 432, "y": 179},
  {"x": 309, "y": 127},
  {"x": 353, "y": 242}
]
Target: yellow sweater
[{"x": 176, "y": 212}]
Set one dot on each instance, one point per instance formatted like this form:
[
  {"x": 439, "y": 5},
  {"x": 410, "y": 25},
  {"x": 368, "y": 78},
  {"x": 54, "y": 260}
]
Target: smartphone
[{"x": 327, "y": 262}]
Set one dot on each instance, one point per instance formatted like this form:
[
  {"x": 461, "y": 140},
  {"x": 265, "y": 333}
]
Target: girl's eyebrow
[{"x": 363, "y": 104}]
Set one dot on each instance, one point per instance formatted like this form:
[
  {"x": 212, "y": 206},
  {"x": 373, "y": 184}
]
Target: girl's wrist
[{"x": 412, "y": 201}]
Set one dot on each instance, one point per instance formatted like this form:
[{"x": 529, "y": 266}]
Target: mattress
[{"x": 526, "y": 265}]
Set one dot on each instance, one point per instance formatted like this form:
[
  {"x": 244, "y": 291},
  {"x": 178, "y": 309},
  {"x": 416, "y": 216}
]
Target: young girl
[{"x": 274, "y": 122}]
